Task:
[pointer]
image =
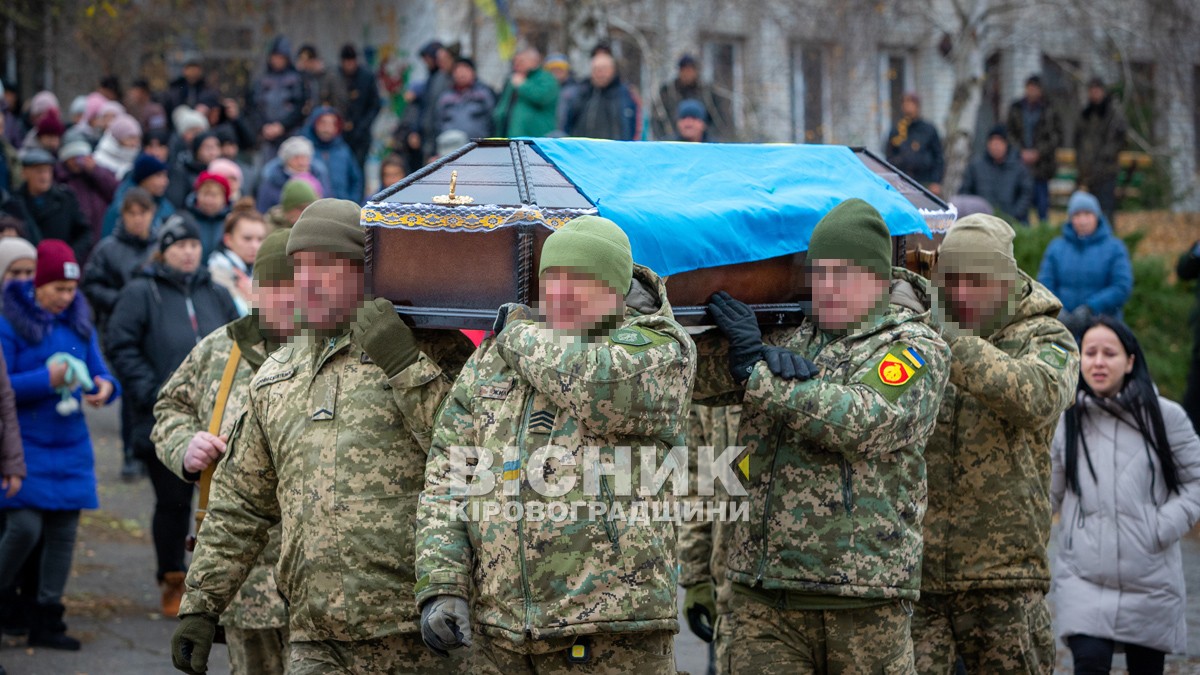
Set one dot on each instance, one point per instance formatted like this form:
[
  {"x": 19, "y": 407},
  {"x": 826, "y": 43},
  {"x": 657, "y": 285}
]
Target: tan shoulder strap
[{"x": 214, "y": 428}]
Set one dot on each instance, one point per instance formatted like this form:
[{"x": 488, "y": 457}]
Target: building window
[
  {"x": 895, "y": 78},
  {"x": 810, "y": 91},
  {"x": 1137, "y": 93},
  {"x": 721, "y": 66}
]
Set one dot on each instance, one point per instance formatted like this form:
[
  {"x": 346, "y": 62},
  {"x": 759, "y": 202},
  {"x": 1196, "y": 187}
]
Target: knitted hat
[
  {"x": 980, "y": 244},
  {"x": 330, "y": 225},
  {"x": 690, "y": 107},
  {"x": 227, "y": 168},
  {"x": 295, "y": 146},
  {"x": 594, "y": 246},
  {"x": 125, "y": 128},
  {"x": 145, "y": 166},
  {"x": 557, "y": 60},
  {"x": 78, "y": 107},
  {"x": 55, "y": 262},
  {"x": 174, "y": 230},
  {"x": 74, "y": 149},
  {"x": 199, "y": 141},
  {"x": 185, "y": 119},
  {"x": 42, "y": 103},
  {"x": 1083, "y": 201},
  {"x": 853, "y": 230},
  {"x": 108, "y": 107},
  {"x": 998, "y": 131},
  {"x": 273, "y": 264},
  {"x": 296, "y": 193},
  {"x": 36, "y": 157},
  {"x": 13, "y": 249},
  {"x": 50, "y": 125},
  {"x": 207, "y": 177}
]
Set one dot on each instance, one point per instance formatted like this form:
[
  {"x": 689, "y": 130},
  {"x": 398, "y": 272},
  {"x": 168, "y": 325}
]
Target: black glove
[
  {"x": 192, "y": 642},
  {"x": 789, "y": 365},
  {"x": 510, "y": 312},
  {"x": 700, "y": 605},
  {"x": 384, "y": 336},
  {"x": 446, "y": 624},
  {"x": 736, "y": 320}
]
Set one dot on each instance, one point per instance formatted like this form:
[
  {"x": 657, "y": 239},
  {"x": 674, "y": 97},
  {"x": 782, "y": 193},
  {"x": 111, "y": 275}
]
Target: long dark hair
[{"x": 1137, "y": 399}]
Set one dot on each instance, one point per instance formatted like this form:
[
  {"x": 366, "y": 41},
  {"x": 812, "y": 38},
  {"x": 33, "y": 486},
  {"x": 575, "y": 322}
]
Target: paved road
[{"x": 112, "y": 599}]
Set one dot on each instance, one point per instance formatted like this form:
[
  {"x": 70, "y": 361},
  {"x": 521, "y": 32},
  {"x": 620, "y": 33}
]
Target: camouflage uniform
[
  {"x": 184, "y": 406},
  {"x": 836, "y": 489},
  {"x": 334, "y": 450},
  {"x": 538, "y": 585},
  {"x": 702, "y": 543},
  {"x": 985, "y": 570}
]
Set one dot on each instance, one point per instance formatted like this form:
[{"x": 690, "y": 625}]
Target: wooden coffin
[{"x": 450, "y": 265}]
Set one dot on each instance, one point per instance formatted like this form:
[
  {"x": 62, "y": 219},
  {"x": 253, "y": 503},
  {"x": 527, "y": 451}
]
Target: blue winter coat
[
  {"x": 58, "y": 450},
  {"x": 345, "y": 175},
  {"x": 274, "y": 175},
  {"x": 1093, "y": 271}
]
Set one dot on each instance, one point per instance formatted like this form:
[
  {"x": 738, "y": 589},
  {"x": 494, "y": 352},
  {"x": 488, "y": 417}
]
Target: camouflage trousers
[
  {"x": 994, "y": 631},
  {"x": 257, "y": 652},
  {"x": 402, "y": 654},
  {"x": 650, "y": 653},
  {"x": 722, "y": 644},
  {"x": 765, "y": 640}
]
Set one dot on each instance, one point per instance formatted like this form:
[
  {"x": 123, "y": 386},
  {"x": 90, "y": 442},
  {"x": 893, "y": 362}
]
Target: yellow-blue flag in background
[{"x": 506, "y": 28}]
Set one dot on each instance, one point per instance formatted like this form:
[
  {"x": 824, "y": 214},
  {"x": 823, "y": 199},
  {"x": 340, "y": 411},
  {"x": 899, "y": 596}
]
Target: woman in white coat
[{"x": 1126, "y": 481}]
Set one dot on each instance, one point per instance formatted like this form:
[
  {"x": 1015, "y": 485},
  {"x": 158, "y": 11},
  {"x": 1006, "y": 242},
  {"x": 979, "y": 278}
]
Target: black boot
[{"x": 48, "y": 629}]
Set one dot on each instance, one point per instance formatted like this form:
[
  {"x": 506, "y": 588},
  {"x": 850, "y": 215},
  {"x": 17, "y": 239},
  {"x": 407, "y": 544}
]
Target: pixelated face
[
  {"x": 136, "y": 220},
  {"x": 21, "y": 269},
  {"x": 183, "y": 255},
  {"x": 844, "y": 295},
  {"x": 156, "y": 183},
  {"x": 56, "y": 296},
  {"x": 691, "y": 129},
  {"x": 38, "y": 178},
  {"x": 1104, "y": 361},
  {"x": 1085, "y": 223},
  {"x": 299, "y": 163},
  {"x": 158, "y": 150},
  {"x": 210, "y": 149},
  {"x": 246, "y": 238},
  {"x": 997, "y": 148},
  {"x": 973, "y": 299},
  {"x": 210, "y": 198},
  {"x": 326, "y": 127},
  {"x": 276, "y": 304},
  {"x": 576, "y": 302},
  {"x": 329, "y": 289}
]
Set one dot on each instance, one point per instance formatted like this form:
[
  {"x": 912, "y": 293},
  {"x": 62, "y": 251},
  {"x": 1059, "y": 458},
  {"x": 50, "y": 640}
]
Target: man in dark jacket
[
  {"x": 603, "y": 108},
  {"x": 999, "y": 177},
  {"x": 1099, "y": 139},
  {"x": 187, "y": 88},
  {"x": 362, "y": 103},
  {"x": 93, "y": 186},
  {"x": 50, "y": 211},
  {"x": 276, "y": 99},
  {"x": 914, "y": 146},
  {"x": 1035, "y": 129},
  {"x": 687, "y": 85},
  {"x": 467, "y": 106}
]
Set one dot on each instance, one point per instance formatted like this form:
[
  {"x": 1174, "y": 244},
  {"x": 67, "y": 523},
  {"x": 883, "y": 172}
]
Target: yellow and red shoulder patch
[{"x": 898, "y": 368}]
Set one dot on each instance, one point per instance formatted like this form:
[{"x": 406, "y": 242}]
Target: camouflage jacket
[
  {"x": 335, "y": 450},
  {"x": 535, "y": 583},
  {"x": 988, "y": 460},
  {"x": 703, "y": 542},
  {"x": 836, "y": 478},
  {"x": 185, "y": 405}
]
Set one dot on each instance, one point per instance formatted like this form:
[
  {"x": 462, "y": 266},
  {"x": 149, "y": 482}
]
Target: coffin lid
[{"x": 733, "y": 203}]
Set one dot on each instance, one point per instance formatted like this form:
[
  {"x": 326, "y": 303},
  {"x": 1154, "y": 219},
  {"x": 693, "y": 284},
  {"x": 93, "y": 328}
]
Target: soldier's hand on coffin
[
  {"x": 511, "y": 312},
  {"x": 446, "y": 624},
  {"x": 384, "y": 336},
  {"x": 789, "y": 365},
  {"x": 737, "y": 321}
]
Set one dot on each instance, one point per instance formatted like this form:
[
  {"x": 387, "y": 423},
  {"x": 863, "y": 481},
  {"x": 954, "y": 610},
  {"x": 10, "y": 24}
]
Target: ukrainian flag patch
[
  {"x": 512, "y": 470},
  {"x": 1056, "y": 355}
]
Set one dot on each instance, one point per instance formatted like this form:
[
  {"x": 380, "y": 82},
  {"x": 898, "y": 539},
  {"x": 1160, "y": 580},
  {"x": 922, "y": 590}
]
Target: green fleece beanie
[
  {"x": 594, "y": 246},
  {"x": 297, "y": 192},
  {"x": 855, "y": 231},
  {"x": 329, "y": 225},
  {"x": 273, "y": 264},
  {"x": 980, "y": 244}
]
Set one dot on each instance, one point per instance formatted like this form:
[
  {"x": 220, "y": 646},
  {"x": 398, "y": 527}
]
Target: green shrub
[{"x": 1157, "y": 311}]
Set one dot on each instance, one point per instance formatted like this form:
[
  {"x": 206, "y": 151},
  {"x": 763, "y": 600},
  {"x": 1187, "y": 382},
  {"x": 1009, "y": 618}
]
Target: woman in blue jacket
[
  {"x": 1088, "y": 267},
  {"x": 44, "y": 320}
]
